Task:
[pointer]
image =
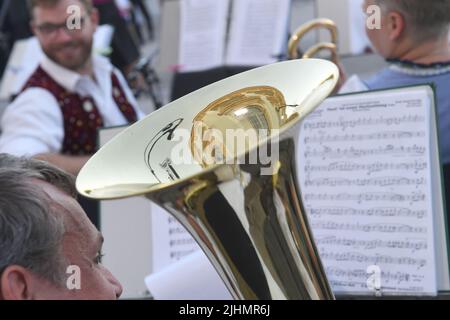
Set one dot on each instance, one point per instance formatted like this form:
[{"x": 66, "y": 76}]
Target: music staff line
[
  {"x": 320, "y": 139},
  {"x": 363, "y": 122},
  {"x": 347, "y": 166},
  {"x": 379, "y": 181},
  {"x": 180, "y": 254},
  {"x": 390, "y": 150},
  {"x": 172, "y": 220},
  {"x": 376, "y": 259},
  {"x": 359, "y": 274},
  {"x": 318, "y": 212},
  {"x": 369, "y": 196},
  {"x": 363, "y": 285},
  {"x": 409, "y": 244},
  {"x": 370, "y": 227},
  {"x": 180, "y": 242},
  {"x": 177, "y": 230}
]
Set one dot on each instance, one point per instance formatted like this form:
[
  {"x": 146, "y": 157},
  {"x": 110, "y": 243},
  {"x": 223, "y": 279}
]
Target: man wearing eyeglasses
[{"x": 71, "y": 94}]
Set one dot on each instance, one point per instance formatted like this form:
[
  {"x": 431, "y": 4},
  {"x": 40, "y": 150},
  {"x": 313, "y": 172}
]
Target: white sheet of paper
[
  {"x": 191, "y": 278},
  {"x": 170, "y": 240},
  {"x": 365, "y": 175},
  {"x": 24, "y": 59},
  {"x": 358, "y": 38},
  {"x": 353, "y": 84},
  {"x": 258, "y": 32},
  {"x": 202, "y": 34}
]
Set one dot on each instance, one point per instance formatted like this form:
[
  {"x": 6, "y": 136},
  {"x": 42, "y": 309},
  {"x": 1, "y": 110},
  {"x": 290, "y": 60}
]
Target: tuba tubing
[{"x": 321, "y": 23}]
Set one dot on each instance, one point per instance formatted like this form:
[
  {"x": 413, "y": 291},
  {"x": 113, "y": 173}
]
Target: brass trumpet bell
[
  {"x": 298, "y": 35},
  {"x": 247, "y": 216}
]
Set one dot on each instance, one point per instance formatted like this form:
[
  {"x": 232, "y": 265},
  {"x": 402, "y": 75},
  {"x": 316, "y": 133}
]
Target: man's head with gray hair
[
  {"x": 43, "y": 231},
  {"x": 424, "y": 19},
  {"x": 409, "y": 30}
]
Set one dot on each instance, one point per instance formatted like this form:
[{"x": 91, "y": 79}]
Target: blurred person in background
[
  {"x": 71, "y": 94},
  {"x": 414, "y": 39},
  {"x": 125, "y": 50},
  {"x": 14, "y": 25}
]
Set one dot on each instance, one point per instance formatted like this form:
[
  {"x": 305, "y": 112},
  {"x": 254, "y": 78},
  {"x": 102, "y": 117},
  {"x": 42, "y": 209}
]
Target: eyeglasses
[{"x": 50, "y": 29}]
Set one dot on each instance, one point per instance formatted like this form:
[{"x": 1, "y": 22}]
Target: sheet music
[
  {"x": 364, "y": 168},
  {"x": 258, "y": 33},
  {"x": 202, "y": 34},
  {"x": 170, "y": 240}
]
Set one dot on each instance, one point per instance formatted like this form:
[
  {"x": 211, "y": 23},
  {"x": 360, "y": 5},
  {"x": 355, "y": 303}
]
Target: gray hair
[
  {"x": 31, "y": 233},
  {"x": 426, "y": 19}
]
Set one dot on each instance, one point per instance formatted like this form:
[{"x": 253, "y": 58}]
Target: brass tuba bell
[
  {"x": 246, "y": 214},
  {"x": 321, "y": 23}
]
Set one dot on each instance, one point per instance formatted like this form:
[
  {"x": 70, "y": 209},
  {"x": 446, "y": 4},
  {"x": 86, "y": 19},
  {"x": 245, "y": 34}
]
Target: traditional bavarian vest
[{"x": 80, "y": 114}]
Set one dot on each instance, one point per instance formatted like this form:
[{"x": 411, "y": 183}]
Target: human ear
[
  {"x": 16, "y": 283},
  {"x": 396, "y": 25}
]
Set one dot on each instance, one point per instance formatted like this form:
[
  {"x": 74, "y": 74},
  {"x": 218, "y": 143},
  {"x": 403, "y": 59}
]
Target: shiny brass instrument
[
  {"x": 247, "y": 216},
  {"x": 311, "y": 52}
]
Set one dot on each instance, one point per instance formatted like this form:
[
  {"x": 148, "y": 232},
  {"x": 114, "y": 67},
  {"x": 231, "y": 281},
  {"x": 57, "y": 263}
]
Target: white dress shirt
[{"x": 33, "y": 123}]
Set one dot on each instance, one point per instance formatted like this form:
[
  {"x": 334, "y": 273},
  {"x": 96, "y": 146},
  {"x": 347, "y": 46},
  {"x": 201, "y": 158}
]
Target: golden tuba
[
  {"x": 309, "y": 26},
  {"x": 245, "y": 213}
]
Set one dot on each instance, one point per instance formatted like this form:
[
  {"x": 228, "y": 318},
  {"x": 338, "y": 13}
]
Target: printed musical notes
[
  {"x": 364, "y": 170},
  {"x": 170, "y": 240},
  {"x": 373, "y": 259},
  {"x": 369, "y": 212},
  {"x": 366, "y": 197},
  {"x": 378, "y": 181},
  {"x": 369, "y": 228},
  {"x": 368, "y": 168},
  {"x": 327, "y": 152},
  {"x": 359, "y": 276},
  {"x": 414, "y": 245},
  {"x": 344, "y": 124},
  {"x": 320, "y": 139}
]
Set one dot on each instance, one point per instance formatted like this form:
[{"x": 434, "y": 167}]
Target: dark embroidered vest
[{"x": 80, "y": 114}]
